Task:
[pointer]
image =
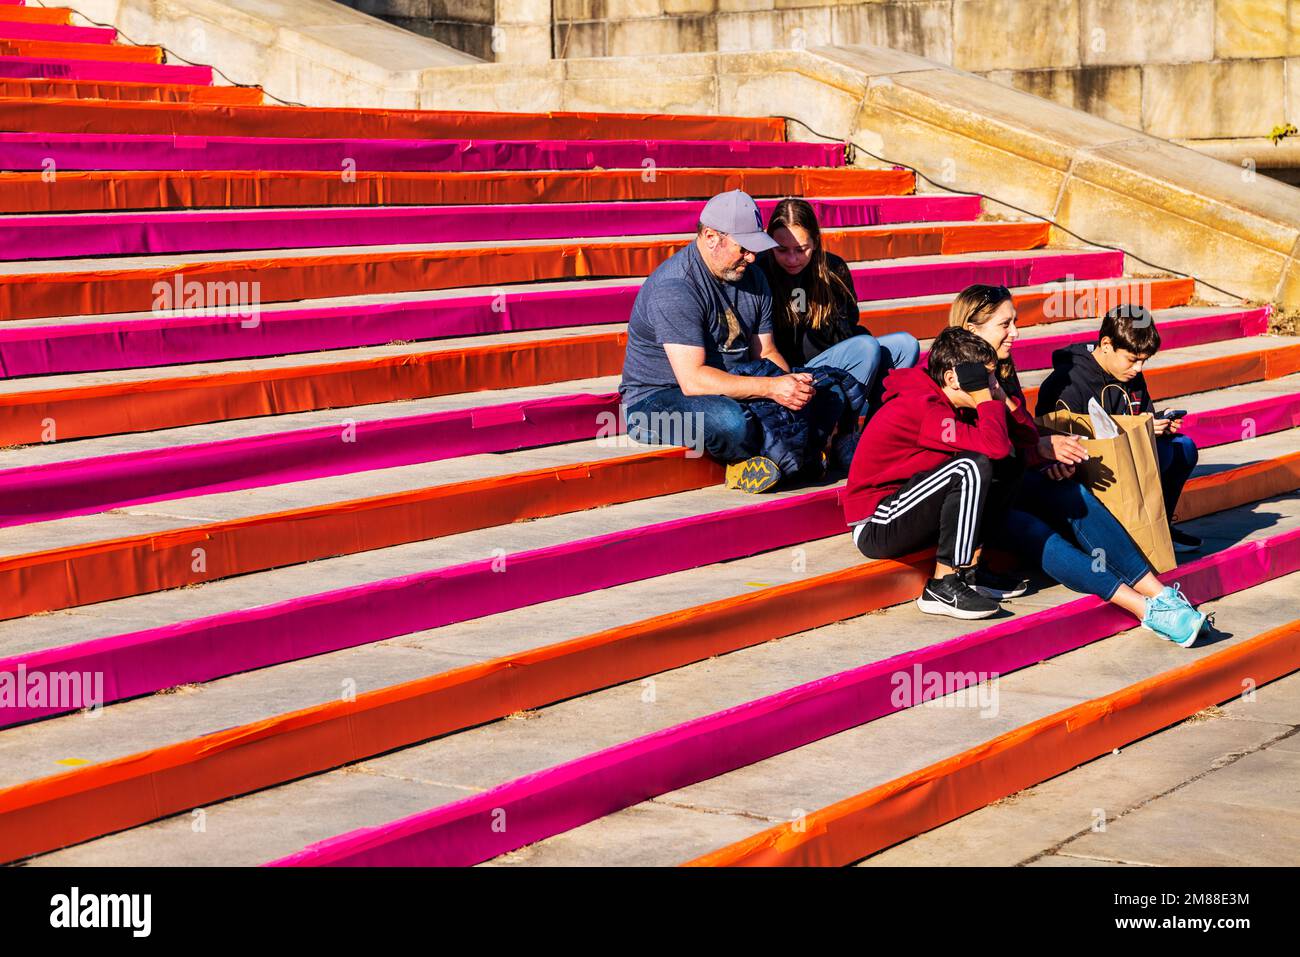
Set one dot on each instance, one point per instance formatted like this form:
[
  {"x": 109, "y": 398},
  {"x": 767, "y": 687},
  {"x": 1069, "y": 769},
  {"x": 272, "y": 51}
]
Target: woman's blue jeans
[
  {"x": 868, "y": 358},
  {"x": 1072, "y": 536}
]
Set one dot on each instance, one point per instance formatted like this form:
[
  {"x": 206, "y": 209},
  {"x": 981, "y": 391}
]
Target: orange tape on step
[
  {"x": 97, "y": 52},
  {"x": 110, "y": 190},
  {"x": 1230, "y": 488},
  {"x": 929, "y": 319},
  {"x": 164, "y": 403},
  {"x": 280, "y": 279},
  {"x": 29, "y": 88},
  {"x": 74, "y": 116},
  {"x": 139, "y": 564},
  {"x": 869, "y": 822},
  {"x": 35, "y": 14},
  {"x": 77, "y": 805}
]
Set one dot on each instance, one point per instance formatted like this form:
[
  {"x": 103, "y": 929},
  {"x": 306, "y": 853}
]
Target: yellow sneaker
[{"x": 756, "y": 474}]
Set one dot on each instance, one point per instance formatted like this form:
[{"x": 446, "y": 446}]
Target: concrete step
[
  {"x": 24, "y": 751},
  {"x": 697, "y": 819},
  {"x": 1216, "y": 790}
]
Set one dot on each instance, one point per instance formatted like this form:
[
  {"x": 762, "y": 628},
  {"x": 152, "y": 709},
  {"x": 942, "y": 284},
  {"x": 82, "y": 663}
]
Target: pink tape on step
[
  {"x": 113, "y": 151},
  {"x": 62, "y": 69},
  {"x": 1241, "y": 422},
  {"x": 57, "y": 32}
]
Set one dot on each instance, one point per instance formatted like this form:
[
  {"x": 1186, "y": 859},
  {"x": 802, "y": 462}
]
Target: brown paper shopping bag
[{"x": 1125, "y": 474}]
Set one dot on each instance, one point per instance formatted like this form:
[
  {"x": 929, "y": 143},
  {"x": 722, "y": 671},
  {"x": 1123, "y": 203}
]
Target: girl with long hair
[{"x": 815, "y": 307}]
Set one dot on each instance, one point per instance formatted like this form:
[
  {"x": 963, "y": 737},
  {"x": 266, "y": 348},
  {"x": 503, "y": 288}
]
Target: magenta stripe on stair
[
  {"x": 55, "y": 32},
  {"x": 124, "y": 151},
  {"x": 58, "y": 68}
]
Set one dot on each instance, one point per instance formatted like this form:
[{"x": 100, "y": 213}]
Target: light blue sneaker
[{"x": 1173, "y": 618}]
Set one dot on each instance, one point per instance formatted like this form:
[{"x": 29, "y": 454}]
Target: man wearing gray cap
[{"x": 700, "y": 314}]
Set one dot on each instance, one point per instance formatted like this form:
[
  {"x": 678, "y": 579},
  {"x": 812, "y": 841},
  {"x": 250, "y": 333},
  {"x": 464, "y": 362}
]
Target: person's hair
[
  {"x": 954, "y": 346},
  {"x": 824, "y": 286},
  {"x": 1130, "y": 327},
  {"x": 974, "y": 306}
]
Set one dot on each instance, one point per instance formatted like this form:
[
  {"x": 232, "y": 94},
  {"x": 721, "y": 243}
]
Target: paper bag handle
[
  {"x": 1127, "y": 403},
  {"x": 1069, "y": 421}
]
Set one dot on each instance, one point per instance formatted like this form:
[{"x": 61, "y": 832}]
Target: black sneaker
[
  {"x": 992, "y": 585},
  {"x": 951, "y": 596},
  {"x": 1182, "y": 541}
]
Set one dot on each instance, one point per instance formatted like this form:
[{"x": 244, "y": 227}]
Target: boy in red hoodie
[{"x": 924, "y": 471}]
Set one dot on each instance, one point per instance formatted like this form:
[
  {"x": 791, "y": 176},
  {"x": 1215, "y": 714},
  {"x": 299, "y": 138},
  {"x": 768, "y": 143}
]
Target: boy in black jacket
[{"x": 1110, "y": 371}]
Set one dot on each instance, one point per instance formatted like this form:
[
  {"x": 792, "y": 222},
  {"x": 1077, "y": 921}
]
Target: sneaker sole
[
  {"x": 1190, "y": 643},
  {"x": 939, "y": 608},
  {"x": 999, "y": 595},
  {"x": 753, "y": 475}
]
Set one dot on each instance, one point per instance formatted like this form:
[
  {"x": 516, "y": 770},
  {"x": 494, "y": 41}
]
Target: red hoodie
[{"x": 917, "y": 429}]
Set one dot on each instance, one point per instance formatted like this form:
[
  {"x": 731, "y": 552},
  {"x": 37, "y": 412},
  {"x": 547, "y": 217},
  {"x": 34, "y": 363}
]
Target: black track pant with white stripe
[{"x": 945, "y": 507}]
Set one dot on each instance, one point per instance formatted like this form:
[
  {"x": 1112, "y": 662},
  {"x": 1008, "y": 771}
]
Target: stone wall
[
  {"x": 317, "y": 52},
  {"x": 517, "y": 31},
  {"x": 1185, "y": 69}
]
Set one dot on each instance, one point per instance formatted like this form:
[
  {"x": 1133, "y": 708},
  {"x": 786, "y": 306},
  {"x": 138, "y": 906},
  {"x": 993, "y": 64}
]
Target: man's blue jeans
[
  {"x": 868, "y": 358},
  {"x": 709, "y": 423},
  {"x": 1178, "y": 455},
  {"x": 1072, "y": 536}
]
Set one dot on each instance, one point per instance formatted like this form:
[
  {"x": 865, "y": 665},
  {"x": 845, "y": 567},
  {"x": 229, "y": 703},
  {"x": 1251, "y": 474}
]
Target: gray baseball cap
[{"x": 736, "y": 214}]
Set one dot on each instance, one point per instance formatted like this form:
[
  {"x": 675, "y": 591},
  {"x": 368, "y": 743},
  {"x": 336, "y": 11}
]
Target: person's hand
[
  {"x": 1163, "y": 425},
  {"x": 792, "y": 391},
  {"x": 995, "y": 388},
  {"x": 1059, "y": 471},
  {"x": 1175, "y": 426},
  {"x": 1062, "y": 448}
]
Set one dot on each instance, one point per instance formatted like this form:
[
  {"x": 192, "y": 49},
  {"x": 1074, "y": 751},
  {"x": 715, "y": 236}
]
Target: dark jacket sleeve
[{"x": 1059, "y": 387}]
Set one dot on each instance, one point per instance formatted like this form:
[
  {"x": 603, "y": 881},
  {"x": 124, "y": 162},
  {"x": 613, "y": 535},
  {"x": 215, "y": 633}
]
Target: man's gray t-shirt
[{"x": 682, "y": 302}]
